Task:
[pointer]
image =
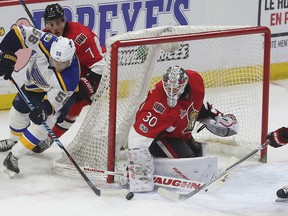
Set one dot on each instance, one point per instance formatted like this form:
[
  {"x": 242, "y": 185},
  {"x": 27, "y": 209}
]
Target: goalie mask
[
  {"x": 174, "y": 82},
  {"x": 62, "y": 52}
]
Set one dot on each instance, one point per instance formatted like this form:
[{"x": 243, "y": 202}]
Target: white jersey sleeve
[
  {"x": 136, "y": 140},
  {"x": 28, "y": 36}
]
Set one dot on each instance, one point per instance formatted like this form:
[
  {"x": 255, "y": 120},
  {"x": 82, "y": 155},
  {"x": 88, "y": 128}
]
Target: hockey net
[{"x": 233, "y": 61}]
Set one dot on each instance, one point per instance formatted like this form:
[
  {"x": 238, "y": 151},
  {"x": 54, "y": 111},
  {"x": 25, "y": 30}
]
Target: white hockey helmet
[
  {"x": 174, "y": 82},
  {"x": 62, "y": 50}
]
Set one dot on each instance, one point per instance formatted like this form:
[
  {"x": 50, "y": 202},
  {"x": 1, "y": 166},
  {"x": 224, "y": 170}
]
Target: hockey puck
[{"x": 130, "y": 195}]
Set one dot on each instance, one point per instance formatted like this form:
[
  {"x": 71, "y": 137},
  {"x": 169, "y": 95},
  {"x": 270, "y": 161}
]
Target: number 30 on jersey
[{"x": 150, "y": 119}]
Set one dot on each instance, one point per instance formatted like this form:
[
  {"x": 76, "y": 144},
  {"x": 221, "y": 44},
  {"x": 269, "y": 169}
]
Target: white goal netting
[{"x": 230, "y": 59}]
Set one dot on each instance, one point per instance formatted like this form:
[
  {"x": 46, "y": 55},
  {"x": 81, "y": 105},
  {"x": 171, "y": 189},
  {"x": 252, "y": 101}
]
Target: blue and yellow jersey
[{"x": 41, "y": 75}]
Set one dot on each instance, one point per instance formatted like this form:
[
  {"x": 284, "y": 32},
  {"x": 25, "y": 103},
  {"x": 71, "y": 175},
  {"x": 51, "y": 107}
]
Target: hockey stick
[
  {"x": 28, "y": 12},
  {"x": 129, "y": 195},
  {"x": 176, "y": 196},
  {"x": 161, "y": 181},
  {"x": 97, "y": 191}
]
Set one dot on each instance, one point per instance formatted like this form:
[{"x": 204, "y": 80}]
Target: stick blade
[
  {"x": 113, "y": 192},
  {"x": 168, "y": 194},
  {"x": 219, "y": 183}
]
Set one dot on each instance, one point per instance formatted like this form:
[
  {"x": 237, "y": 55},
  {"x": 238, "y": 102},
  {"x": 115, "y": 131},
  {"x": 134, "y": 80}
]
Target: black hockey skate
[
  {"x": 6, "y": 144},
  {"x": 43, "y": 145},
  {"x": 11, "y": 164},
  {"x": 282, "y": 194}
]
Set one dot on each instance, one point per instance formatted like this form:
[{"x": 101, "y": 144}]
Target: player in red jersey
[
  {"x": 164, "y": 124},
  {"x": 92, "y": 61},
  {"x": 276, "y": 139}
]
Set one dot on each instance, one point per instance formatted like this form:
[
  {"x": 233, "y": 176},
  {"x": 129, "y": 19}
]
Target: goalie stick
[
  {"x": 177, "y": 196},
  {"x": 161, "y": 181},
  {"x": 97, "y": 191}
]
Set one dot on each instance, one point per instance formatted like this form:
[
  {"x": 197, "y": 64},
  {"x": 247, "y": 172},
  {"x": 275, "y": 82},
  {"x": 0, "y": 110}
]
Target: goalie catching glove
[
  {"x": 278, "y": 137},
  {"x": 7, "y": 62},
  {"x": 216, "y": 122}
]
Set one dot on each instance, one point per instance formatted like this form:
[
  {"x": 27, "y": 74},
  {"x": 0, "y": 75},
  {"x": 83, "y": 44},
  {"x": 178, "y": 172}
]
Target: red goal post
[{"x": 233, "y": 61}]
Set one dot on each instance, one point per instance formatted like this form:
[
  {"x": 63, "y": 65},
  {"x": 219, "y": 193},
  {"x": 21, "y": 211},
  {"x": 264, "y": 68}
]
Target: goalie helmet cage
[{"x": 234, "y": 62}]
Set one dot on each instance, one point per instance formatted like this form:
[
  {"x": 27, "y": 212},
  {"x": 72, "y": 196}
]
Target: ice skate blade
[
  {"x": 281, "y": 199},
  {"x": 7, "y": 172}
]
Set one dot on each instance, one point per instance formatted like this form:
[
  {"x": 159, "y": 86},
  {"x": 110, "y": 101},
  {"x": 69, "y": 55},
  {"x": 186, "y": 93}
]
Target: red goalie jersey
[{"x": 156, "y": 118}]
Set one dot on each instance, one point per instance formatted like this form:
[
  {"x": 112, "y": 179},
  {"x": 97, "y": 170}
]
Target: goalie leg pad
[
  {"x": 141, "y": 170},
  {"x": 123, "y": 181},
  {"x": 197, "y": 169}
]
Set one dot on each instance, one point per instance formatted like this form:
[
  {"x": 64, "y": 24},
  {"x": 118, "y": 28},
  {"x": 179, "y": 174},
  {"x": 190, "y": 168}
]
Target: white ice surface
[{"x": 249, "y": 191}]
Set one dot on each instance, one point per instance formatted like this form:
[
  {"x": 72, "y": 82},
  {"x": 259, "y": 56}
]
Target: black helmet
[{"x": 54, "y": 11}]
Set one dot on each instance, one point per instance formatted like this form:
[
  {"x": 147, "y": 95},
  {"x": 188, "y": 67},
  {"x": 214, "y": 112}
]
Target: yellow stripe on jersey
[
  {"x": 43, "y": 48},
  {"x": 61, "y": 81},
  {"x": 38, "y": 90},
  {"x": 15, "y": 133},
  {"x": 26, "y": 142},
  {"x": 19, "y": 35}
]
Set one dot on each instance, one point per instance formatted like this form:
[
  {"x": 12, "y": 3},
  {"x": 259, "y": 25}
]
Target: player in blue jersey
[{"x": 50, "y": 81}]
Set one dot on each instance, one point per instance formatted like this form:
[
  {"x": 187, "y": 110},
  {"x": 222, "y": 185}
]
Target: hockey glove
[
  {"x": 38, "y": 115},
  {"x": 207, "y": 111},
  {"x": 278, "y": 137},
  {"x": 87, "y": 87},
  {"x": 216, "y": 122},
  {"x": 7, "y": 62}
]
